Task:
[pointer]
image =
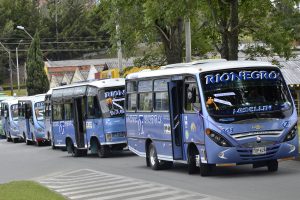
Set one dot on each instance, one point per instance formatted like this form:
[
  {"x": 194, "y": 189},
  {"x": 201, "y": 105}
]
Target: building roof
[
  {"x": 111, "y": 62},
  {"x": 289, "y": 68}
]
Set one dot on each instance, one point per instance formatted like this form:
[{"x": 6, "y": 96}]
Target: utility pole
[
  {"x": 18, "y": 73},
  {"x": 119, "y": 46},
  {"x": 188, "y": 46},
  {"x": 10, "y": 69}
]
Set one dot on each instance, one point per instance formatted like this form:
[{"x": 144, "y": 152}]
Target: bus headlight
[
  {"x": 217, "y": 138},
  {"x": 291, "y": 135},
  {"x": 108, "y": 137}
]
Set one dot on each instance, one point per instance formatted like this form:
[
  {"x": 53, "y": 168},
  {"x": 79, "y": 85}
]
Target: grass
[{"x": 24, "y": 190}]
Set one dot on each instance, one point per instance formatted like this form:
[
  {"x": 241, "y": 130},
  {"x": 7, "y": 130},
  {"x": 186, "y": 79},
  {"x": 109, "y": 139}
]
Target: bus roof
[
  {"x": 10, "y": 101},
  {"x": 197, "y": 67},
  {"x": 98, "y": 83}
]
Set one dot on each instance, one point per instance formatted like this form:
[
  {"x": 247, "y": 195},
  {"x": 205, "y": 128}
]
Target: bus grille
[
  {"x": 246, "y": 153},
  {"x": 240, "y": 136}
]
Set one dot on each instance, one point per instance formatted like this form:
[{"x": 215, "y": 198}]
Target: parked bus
[
  {"x": 89, "y": 115},
  {"x": 31, "y": 115},
  {"x": 2, "y": 98},
  {"x": 209, "y": 114},
  {"x": 9, "y": 115},
  {"x": 23, "y": 121}
]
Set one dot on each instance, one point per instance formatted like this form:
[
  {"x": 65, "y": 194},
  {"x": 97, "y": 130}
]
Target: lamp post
[
  {"x": 23, "y": 28},
  {"x": 17, "y": 61},
  {"x": 10, "y": 69}
]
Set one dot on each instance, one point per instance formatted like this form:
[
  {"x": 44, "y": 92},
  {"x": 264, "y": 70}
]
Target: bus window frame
[
  {"x": 167, "y": 91},
  {"x": 138, "y": 96},
  {"x": 184, "y": 94},
  {"x": 130, "y": 93}
]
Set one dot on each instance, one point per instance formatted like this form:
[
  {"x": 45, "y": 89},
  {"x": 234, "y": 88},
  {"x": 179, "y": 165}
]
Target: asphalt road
[{"x": 19, "y": 162}]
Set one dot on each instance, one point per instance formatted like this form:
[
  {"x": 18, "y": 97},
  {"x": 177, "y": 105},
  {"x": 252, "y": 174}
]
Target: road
[{"x": 51, "y": 167}]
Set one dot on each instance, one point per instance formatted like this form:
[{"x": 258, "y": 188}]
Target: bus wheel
[
  {"x": 272, "y": 166},
  {"x": 205, "y": 169},
  {"x": 192, "y": 167},
  {"x": 154, "y": 162},
  {"x": 8, "y": 138},
  {"x": 103, "y": 151},
  {"x": 24, "y": 137}
]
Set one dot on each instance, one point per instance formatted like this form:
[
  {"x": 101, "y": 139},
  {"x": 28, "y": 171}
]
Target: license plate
[{"x": 259, "y": 151}]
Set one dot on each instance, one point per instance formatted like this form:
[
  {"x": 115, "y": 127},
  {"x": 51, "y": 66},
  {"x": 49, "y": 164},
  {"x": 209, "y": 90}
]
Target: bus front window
[
  {"x": 239, "y": 95},
  {"x": 39, "y": 109},
  {"x": 112, "y": 102}
]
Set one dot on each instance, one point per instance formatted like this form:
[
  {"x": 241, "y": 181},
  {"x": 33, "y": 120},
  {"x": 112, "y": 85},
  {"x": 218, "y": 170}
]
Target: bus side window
[
  {"x": 191, "y": 95},
  {"x": 145, "y": 96},
  {"x": 57, "y": 112},
  {"x": 68, "y": 114},
  {"x": 93, "y": 107},
  {"x": 161, "y": 98},
  {"x": 131, "y": 96}
]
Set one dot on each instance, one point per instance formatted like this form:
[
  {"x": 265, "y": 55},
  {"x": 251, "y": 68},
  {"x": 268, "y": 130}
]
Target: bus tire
[
  {"x": 154, "y": 162},
  {"x": 103, "y": 151},
  {"x": 24, "y": 137},
  {"x": 273, "y": 166},
  {"x": 8, "y": 138},
  {"x": 192, "y": 167},
  {"x": 205, "y": 169}
]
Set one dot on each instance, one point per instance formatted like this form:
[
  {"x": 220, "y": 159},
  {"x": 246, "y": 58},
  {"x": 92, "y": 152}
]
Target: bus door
[
  {"x": 175, "y": 90},
  {"x": 29, "y": 121},
  {"x": 79, "y": 121}
]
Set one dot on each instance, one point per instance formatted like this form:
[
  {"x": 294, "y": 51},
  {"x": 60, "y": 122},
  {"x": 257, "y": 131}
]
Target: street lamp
[
  {"x": 10, "y": 69},
  {"x": 23, "y": 28},
  {"x": 17, "y": 60}
]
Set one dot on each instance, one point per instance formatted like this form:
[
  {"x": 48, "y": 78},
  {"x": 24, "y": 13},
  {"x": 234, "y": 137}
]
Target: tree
[
  {"x": 149, "y": 21},
  {"x": 263, "y": 21},
  {"x": 37, "y": 81}
]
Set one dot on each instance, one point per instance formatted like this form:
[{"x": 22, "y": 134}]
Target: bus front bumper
[{"x": 230, "y": 156}]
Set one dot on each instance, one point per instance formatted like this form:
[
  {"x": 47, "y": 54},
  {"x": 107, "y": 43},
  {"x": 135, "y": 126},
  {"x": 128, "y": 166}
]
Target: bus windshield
[
  {"x": 39, "y": 109},
  {"x": 112, "y": 102},
  {"x": 14, "y": 112},
  {"x": 240, "y": 95}
]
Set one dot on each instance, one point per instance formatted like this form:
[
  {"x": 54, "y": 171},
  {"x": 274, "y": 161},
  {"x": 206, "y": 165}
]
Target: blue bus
[
  {"x": 211, "y": 113},
  {"x": 9, "y": 117},
  {"x": 89, "y": 116},
  {"x": 31, "y": 119},
  {"x": 2, "y": 119}
]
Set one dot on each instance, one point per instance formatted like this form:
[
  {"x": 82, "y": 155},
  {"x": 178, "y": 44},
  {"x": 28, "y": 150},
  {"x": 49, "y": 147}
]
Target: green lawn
[{"x": 25, "y": 190}]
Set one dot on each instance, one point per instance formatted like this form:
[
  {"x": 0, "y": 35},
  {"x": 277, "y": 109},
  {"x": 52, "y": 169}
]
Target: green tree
[
  {"x": 37, "y": 81},
  {"x": 265, "y": 22},
  {"x": 150, "y": 22}
]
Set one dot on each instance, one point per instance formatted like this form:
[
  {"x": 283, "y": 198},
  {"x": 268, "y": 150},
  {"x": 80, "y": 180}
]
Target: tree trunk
[
  {"x": 234, "y": 31},
  {"x": 172, "y": 41}
]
